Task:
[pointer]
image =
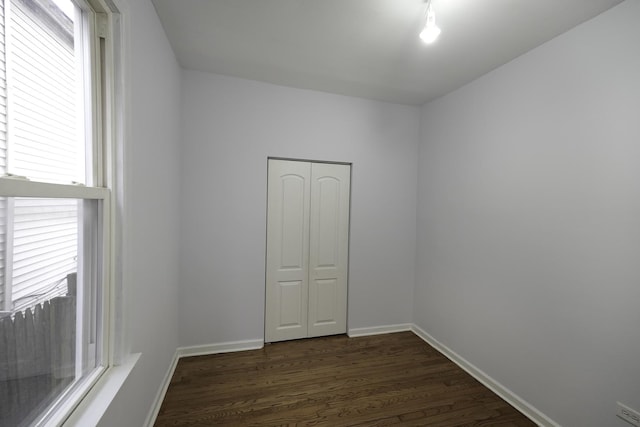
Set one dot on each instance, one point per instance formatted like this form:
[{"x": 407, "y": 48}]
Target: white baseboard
[
  {"x": 514, "y": 400},
  {"x": 157, "y": 402},
  {"x": 196, "y": 350},
  {"x": 223, "y": 347},
  {"x": 376, "y": 330}
]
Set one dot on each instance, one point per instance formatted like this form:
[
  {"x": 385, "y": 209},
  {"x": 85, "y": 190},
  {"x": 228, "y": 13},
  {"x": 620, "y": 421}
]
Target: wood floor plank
[{"x": 390, "y": 379}]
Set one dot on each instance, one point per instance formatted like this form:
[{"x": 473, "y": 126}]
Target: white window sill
[{"x": 95, "y": 403}]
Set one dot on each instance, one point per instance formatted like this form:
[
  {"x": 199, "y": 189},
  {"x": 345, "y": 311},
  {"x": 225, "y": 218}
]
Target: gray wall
[
  {"x": 151, "y": 218},
  {"x": 528, "y": 222},
  {"x": 230, "y": 127}
]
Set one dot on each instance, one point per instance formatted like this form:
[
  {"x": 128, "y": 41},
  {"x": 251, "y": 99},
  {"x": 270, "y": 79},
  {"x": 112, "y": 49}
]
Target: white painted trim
[
  {"x": 196, "y": 350},
  {"x": 94, "y": 405},
  {"x": 162, "y": 391},
  {"x": 13, "y": 187},
  {"x": 377, "y": 330},
  {"x": 513, "y": 399},
  {"x": 223, "y": 347}
]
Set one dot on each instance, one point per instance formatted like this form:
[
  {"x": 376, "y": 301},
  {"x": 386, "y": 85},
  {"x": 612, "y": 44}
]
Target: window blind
[
  {"x": 38, "y": 140},
  {"x": 4, "y": 305},
  {"x": 44, "y": 143}
]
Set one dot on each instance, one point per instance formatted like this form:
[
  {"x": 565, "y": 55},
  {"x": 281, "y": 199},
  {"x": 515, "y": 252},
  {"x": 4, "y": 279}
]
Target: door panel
[
  {"x": 324, "y": 299},
  {"x": 287, "y": 278},
  {"x": 290, "y": 305},
  {"x": 328, "y": 252},
  {"x": 328, "y": 206},
  {"x": 293, "y": 228}
]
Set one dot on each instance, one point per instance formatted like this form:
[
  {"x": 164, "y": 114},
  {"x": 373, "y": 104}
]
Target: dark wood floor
[{"x": 332, "y": 381}]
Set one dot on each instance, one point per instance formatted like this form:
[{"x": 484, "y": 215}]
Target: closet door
[
  {"x": 287, "y": 277},
  {"x": 329, "y": 246},
  {"x": 307, "y": 250}
]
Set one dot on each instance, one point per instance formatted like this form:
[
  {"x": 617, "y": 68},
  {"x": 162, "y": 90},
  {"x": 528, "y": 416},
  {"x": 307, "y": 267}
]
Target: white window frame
[
  {"x": 106, "y": 85},
  {"x": 21, "y": 188}
]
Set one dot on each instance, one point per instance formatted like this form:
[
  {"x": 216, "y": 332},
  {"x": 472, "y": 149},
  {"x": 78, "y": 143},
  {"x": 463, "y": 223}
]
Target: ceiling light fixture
[{"x": 431, "y": 31}]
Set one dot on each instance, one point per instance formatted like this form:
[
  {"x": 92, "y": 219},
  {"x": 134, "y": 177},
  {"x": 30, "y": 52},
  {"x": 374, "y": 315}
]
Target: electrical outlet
[{"x": 628, "y": 414}]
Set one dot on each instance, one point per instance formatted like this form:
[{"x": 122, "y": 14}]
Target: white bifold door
[{"x": 307, "y": 249}]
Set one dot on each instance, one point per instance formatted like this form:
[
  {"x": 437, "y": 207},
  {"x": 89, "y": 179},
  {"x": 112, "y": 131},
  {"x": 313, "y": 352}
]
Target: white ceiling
[{"x": 364, "y": 48}]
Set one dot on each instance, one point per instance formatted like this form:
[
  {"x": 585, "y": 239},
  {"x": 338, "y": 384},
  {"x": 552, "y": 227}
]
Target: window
[{"x": 55, "y": 205}]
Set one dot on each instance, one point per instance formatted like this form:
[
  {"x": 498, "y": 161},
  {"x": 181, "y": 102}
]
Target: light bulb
[{"x": 430, "y": 33}]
